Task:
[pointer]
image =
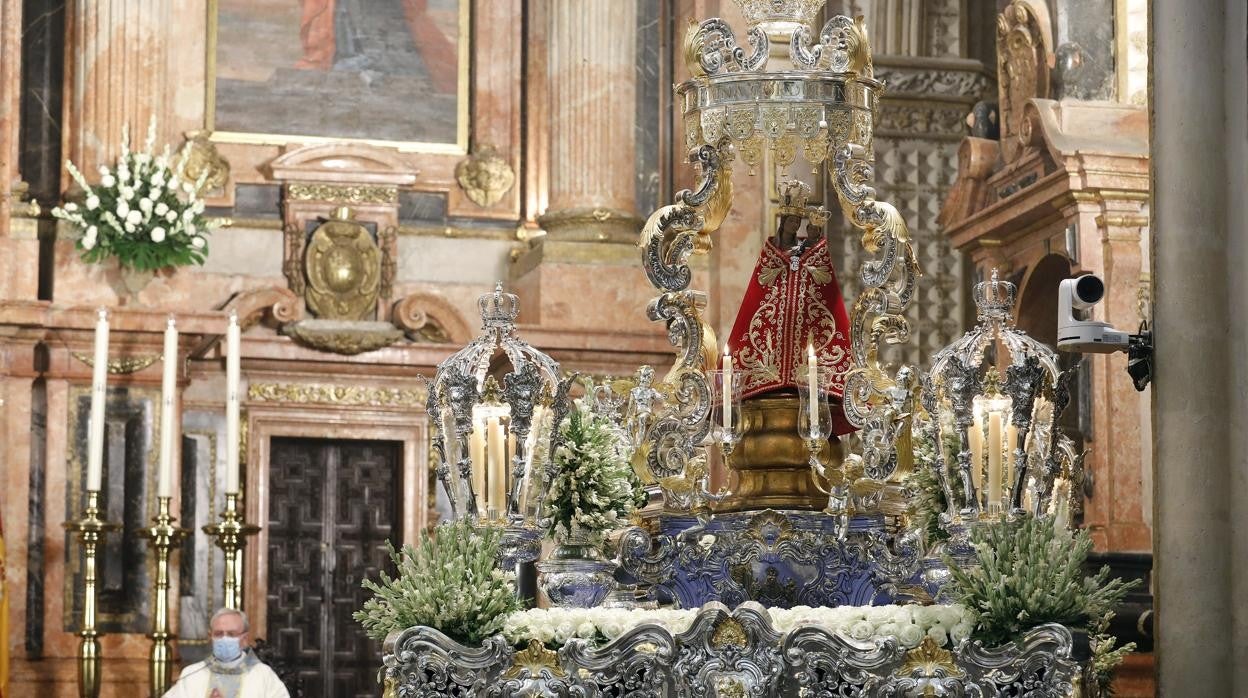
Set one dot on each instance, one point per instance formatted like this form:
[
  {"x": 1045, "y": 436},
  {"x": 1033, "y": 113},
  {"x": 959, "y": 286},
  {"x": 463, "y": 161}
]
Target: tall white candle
[
  {"x": 476, "y": 451},
  {"x": 233, "y": 343},
  {"x": 1061, "y": 504},
  {"x": 168, "y": 386},
  {"x": 994, "y": 459},
  {"x": 975, "y": 443},
  {"x": 727, "y": 390},
  {"x": 496, "y": 446},
  {"x": 812, "y": 387},
  {"x": 1011, "y": 440},
  {"x": 99, "y": 388}
]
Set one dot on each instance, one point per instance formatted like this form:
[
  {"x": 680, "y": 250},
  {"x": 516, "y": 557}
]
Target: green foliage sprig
[
  {"x": 594, "y": 488},
  {"x": 1028, "y": 573},
  {"x": 142, "y": 211},
  {"x": 449, "y": 582}
]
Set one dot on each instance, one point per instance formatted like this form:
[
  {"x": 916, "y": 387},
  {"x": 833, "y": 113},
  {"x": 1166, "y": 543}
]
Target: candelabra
[
  {"x": 164, "y": 537},
  {"x": 231, "y": 536},
  {"x": 994, "y": 399},
  {"x": 90, "y": 530},
  {"x": 486, "y": 432}
]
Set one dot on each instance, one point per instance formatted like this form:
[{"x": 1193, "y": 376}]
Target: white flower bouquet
[
  {"x": 594, "y": 488},
  {"x": 946, "y": 625},
  {"x": 143, "y": 211},
  {"x": 449, "y": 582}
]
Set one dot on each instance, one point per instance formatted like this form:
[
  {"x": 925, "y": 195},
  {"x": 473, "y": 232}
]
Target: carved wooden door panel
[{"x": 333, "y": 504}]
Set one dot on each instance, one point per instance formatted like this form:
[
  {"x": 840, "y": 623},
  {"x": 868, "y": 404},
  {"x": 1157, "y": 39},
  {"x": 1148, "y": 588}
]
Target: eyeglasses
[{"x": 228, "y": 633}]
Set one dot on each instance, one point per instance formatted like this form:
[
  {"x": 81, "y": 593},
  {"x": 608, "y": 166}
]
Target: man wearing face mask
[{"x": 233, "y": 670}]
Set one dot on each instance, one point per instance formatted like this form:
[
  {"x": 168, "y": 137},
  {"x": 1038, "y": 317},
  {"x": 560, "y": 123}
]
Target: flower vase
[
  {"x": 576, "y": 575},
  {"x": 130, "y": 282}
]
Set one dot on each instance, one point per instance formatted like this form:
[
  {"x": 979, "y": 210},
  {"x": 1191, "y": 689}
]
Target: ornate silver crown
[
  {"x": 757, "y": 12},
  {"x": 995, "y": 298},
  {"x": 498, "y": 309}
]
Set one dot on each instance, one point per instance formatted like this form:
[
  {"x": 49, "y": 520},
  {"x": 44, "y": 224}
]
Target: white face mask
[{"x": 226, "y": 649}]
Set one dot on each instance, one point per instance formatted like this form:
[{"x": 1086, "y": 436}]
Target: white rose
[
  {"x": 162, "y": 208},
  {"x": 127, "y": 193},
  {"x": 134, "y": 217},
  {"x": 158, "y": 234},
  {"x": 545, "y": 633},
  {"x": 88, "y": 240},
  {"x": 107, "y": 180},
  {"x": 93, "y": 202},
  {"x": 197, "y": 242},
  {"x": 910, "y": 636},
  {"x": 123, "y": 209},
  {"x": 188, "y": 187},
  {"x": 173, "y": 184},
  {"x": 158, "y": 179},
  {"x": 938, "y": 635},
  {"x": 129, "y": 227},
  {"x": 960, "y": 632},
  {"x": 171, "y": 216},
  {"x": 188, "y": 214},
  {"x": 145, "y": 205},
  {"x": 862, "y": 630},
  {"x": 198, "y": 206},
  {"x": 586, "y": 630},
  {"x": 71, "y": 207},
  {"x": 612, "y": 629}
]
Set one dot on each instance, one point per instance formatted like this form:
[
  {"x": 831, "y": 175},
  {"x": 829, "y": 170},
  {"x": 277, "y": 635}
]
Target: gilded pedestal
[
  {"x": 90, "y": 530},
  {"x": 772, "y": 463}
]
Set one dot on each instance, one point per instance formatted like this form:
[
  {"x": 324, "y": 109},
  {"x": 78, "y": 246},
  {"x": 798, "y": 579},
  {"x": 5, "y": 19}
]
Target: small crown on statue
[
  {"x": 794, "y": 196},
  {"x": 994, "y": 298},
  {"x": 498, "y": 309},
  {"x": 757, "y": 12}
]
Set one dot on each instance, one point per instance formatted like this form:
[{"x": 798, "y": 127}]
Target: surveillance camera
[{"x": 1088, "y": 336}]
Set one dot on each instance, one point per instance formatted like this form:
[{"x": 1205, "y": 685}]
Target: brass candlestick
[
  {"x": 90, "y": 529},
  {"x": 231, "y": 536},
  {"x": 164, "y": 537}
]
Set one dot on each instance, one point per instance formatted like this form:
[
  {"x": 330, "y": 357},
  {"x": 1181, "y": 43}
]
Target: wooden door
[{"x": 333, "y": 504}]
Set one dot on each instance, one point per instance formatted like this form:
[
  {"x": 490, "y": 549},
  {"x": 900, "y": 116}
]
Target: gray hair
[{"x": 230, "y": 612}]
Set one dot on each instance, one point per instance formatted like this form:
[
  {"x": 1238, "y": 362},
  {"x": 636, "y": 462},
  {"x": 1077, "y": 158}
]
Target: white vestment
[{"x": 259, "y": 682}]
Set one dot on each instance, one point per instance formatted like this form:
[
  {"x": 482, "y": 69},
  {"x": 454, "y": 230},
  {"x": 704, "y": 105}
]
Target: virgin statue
[{"x": 793, "y": 303}]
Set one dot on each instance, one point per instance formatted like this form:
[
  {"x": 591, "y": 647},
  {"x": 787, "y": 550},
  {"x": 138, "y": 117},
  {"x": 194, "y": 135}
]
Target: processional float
[{"x": 805, "y": 524}]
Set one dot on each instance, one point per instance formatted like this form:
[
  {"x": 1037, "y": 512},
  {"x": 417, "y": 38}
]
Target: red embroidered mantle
[{"x": 783, "y": 310}]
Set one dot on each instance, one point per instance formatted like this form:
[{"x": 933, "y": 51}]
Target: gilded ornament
[
  {"x": 337, "y": 395},
  {"x": 741, "y": 122},
  {"x": 533, "y": 661},
  {"x": 729, "y": 633},
  {"x": 1022, "y": 70},
  {"x": 121, "y": 365},
  {"x": 931, "y": 661},
  {"x": 351, "y": 194},
  {"x": 203, "y": 160},
  {"x": 344, "y": 337},
  {"x": 343, "y": 266},
  {"x": 485, "y": 177}
]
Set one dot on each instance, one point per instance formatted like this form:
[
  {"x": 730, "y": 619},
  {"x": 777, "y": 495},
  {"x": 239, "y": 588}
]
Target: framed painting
[{"x": 386, "y": 72}]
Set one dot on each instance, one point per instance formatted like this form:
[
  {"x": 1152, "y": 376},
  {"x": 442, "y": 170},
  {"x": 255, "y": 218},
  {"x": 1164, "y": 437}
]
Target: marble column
[
  {"x": 583, "y": 273},
  {"x": 1200, "y": 392},
  {"x": 592, "y": 92},
  {"x": 117, "y": 74}
]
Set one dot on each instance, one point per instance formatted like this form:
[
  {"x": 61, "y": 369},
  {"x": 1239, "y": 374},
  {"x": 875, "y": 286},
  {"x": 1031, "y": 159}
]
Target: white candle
[
  {"x": 1011, "y": 440},
  {"x": 994, "y": 460},
  {"x": 476, "y": 451},
  {"x": 233, "y": 343},
  {"x": 99, "y": 388},
  {"x": 727, "y": 390},
  {"x": 812, "y": 387},
  {"x": 496, "y": 446},
  {"x": 168, "y": 386},
  {"x": 975, "y": 439},
  {"x": 1061, "y": 504}
]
